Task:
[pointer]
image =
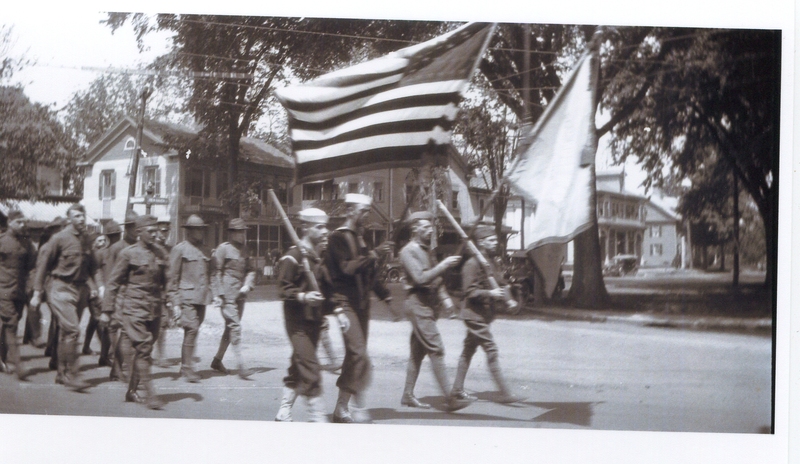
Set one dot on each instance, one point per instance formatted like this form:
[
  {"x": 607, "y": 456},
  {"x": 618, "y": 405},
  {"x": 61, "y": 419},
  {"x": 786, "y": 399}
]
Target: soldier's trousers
[
  {"x": 67, "y": 301},
  {"x": 142, "y": 334},
  {"x": 478, "y": 334},
  {"x": 10, "y": 314},
  {"x": 232, "y": 314},
  {"x": 304, "y": 372},
  {"x": 192, "y": 316},
  {"x": 356, "y": 368},
  {"x": 425, "y": 340}
]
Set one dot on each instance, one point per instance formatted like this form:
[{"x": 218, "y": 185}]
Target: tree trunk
[
  {"x": 588, "y": 289},
  {"x": 735, "y": 231}
]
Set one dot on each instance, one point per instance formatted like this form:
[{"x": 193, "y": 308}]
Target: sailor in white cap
[
  {"x": 352, "y": 269},
  {"x": 304, "y": 310}
]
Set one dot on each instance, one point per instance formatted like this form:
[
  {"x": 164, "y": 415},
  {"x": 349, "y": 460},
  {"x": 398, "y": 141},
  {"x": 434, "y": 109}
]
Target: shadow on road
[
  {"x": 579, "y": 413},
  {"x": 175, "y": 397},
  {"x": 422, "y": 415}
]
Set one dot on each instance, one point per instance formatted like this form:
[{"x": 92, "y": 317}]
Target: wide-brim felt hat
[
  {"x": 483, "y": 232},
  {"x": 145, "y": 220},
  {"x": 237, "y": 224},
  {"x": 112, "y": 228}
]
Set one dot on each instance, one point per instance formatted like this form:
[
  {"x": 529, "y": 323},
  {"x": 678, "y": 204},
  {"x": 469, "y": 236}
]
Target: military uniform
[
  {"x": 17, "y": 258},
  {"x": 234, "y": 272},
  {"x": 121, "y": 349},
  {"x": 69, "y": 262},
  {"x": 478, "y": 313},
  {"x": 352, "y": 272},
  {"x": 426, "y": 296},
  {"x": 137, "y": 279},
  {"x": 189, "y": 291}
]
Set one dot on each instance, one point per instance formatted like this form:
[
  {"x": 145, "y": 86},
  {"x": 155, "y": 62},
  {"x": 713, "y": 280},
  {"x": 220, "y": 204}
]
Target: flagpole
[
  {"x": 510, "y": 304},
  {"x": 287, "y": 224}
]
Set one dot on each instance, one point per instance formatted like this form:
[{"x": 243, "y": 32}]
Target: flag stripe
[
  {"x": 302, "y": 132},
  {"x": 353, "y": 163},
  {"x": 427, "y": 90},
  {"x": 400, "y": 103},
  {"x": 340, "y": 150},
  {"x": 393, "y": 127}
]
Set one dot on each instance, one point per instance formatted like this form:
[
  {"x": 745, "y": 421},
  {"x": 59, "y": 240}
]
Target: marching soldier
[
  {"x": 234, "y": 277},
  {"x": 69, "y": 262},
  {"x": 304, "y": 312},
  {"x": 17, "y": 259},
  {"x": 138, "y": 277},
  {"x": 189, "y": 289},
  {"x": 426, "y": 295},
  {"x": 121, "y": 349},
  {"x": 352, "y": 269},
  {"x": 480, "y": 301},
  {"x": 99, "y": 243},
  {"x": 104, "y": 266},
  {"x": 167, "y": 321}
]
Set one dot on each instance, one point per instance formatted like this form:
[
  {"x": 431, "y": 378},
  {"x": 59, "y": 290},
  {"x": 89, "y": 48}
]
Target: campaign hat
[
  {"x": 145, "y": 220},
  {"x": 112, "y": 228}
]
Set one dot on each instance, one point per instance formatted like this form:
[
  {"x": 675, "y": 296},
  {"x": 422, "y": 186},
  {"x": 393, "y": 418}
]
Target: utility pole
[{"x": 138, "y": 150}]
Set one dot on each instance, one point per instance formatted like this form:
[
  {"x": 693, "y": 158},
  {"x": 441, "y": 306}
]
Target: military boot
[{"x": 316, "y": 409}]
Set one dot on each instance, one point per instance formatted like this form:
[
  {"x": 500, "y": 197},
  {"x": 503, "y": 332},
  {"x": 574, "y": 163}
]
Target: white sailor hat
[
  {"x": 313, "y": 215},
  {"x": 357, "y": 199}
]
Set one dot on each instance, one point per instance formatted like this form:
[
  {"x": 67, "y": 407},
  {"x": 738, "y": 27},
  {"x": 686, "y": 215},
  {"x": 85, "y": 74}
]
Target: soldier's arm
[
  {"x": 250, "y": 276},
  {"x": 416, "y": 271},
  {"x": 218, "y": 265},
  {"x": 118, "y": 277},
  {"x": 45, "y": 260},
  {"x": 288, "y": 277},
  {"x": 472, "y": 277},
  {"x": 339, "y": 251},
  {"x": 174, "y": 274}
]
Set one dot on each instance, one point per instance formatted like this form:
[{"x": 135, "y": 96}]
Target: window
[
  {"x": 312, "y": 192},
  {"x": 481, "y": 204},
  {"x": 206, "y": 183},
  {"x": 656, "y": 249},
  {"x": 454, "y": 201},
  {"x": 151, "y": 174},
  {"x": 194, "y": 183},
  {"x": 282, "y": 192},
  {"x": 655, "y": 231},
  {"x": 352, "y": 187},
  {"x": 130, "y": 144},
  {"x": 108, "y": 185},
  {"x": 377, "y": 191}
]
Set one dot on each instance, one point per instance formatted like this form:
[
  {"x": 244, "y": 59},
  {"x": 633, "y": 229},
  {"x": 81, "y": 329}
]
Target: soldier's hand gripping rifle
[
  {"x": 310, "y": 277},
  {"x": 510, "y": 303}
]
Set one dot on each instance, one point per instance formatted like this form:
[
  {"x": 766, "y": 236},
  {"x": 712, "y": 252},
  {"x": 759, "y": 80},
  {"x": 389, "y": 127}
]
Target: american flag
[{"x": 385, "y": 112}]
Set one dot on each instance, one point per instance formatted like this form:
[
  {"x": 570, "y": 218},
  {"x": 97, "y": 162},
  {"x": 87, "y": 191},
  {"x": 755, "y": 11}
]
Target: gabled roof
[
  {"x": 251, "y": 150},
  {"x": 663, "y": 210}
]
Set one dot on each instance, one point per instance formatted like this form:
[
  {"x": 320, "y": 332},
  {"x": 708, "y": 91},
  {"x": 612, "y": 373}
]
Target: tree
[
  {"x": 270, "y": 50},
  {"x": 713, "y": 91},
  {"x": 30, "y": 136},
  {"x": 486, "y": 134}
]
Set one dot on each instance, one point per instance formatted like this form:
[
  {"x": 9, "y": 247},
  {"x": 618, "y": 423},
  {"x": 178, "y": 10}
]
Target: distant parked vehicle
[{"x": 622, "y": 265}]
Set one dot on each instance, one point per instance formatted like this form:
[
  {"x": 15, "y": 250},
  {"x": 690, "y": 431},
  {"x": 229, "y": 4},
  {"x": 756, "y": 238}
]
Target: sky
[{"x": 63, "y": 39}]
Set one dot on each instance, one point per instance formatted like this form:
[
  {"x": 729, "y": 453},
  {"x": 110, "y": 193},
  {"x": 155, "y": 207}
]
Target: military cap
[
  {"x": 357, "y": 199},
  {"x": 237, "y": 224},
  {"x": 195, "y": 221},
  {"x": 145, "y": 220},
  {"x": 112, "y": 228},
  {"x": 163, "y": 224},
  {"x": 15, "y": 214},
  {"x": 483, "y": 232},
  {"x": 313, "y": 215},
  {"x": 418, "y": 216}
]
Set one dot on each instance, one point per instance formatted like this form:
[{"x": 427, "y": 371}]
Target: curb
[{"x": 645, "y": 320}]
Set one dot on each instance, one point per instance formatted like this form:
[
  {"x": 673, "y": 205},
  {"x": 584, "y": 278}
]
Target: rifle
[
  {"x": 511, "y": 304},
  {"x": 287, "y": 224}
]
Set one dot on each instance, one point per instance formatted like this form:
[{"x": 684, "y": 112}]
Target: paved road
[{"x": 575, "y": 374}]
